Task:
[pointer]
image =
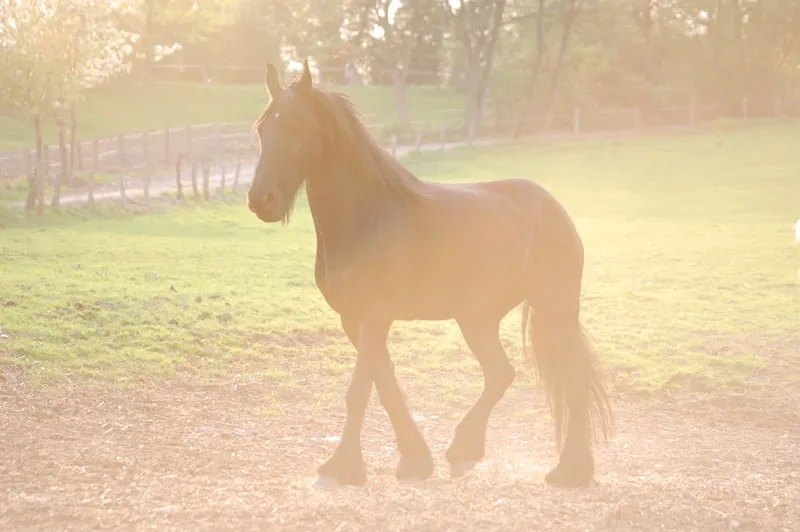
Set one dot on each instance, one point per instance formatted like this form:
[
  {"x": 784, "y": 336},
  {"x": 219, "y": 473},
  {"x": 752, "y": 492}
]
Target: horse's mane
[
  {"x": 372, "y": 168},
  {"x": 372, "y": 164}
]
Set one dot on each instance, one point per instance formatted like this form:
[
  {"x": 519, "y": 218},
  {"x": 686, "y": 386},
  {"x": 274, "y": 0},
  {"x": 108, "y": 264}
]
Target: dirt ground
[{"x": 175, "y": 457}]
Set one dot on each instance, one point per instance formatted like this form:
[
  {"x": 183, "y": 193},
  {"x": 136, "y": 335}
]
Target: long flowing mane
[
  {"x": 370, "y": 167},
  {"x": 371, "y": 164}
]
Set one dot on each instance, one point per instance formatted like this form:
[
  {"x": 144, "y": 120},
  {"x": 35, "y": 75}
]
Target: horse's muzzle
[{"x": 265, "y": 207}]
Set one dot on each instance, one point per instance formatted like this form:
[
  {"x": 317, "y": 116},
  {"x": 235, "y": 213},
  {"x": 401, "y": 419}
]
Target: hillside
[{"x": 123, "y": 109}]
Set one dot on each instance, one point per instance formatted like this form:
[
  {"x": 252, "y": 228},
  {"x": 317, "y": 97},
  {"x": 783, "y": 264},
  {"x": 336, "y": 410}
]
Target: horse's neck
[{"x": 335, "y": 207}]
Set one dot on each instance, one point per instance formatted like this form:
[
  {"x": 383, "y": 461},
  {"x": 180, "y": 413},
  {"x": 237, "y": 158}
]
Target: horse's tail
[
  {"x": 554, "y": 339},
  {"x": 563, "y": 357}
]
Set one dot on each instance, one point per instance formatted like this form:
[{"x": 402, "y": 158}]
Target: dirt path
[
  {"x": 180, "y": 458},
  {"x": 164, "y": 183}
]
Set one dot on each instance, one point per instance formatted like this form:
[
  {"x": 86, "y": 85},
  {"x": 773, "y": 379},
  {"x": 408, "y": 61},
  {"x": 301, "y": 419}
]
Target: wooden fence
[{"x": 210, "y": 160}]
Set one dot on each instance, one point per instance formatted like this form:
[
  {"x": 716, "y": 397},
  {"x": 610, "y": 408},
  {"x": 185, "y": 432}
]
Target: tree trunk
[
  {"x": 41, "y": 171},
  {"x": 400, "y": 82},
  {"x": 479, "y": 49},
  {"x": 530, "y": 91},
  {"x": 36, "y": 178},
  {"x": 569, "y": 20},
  {"x": 473, "y": 89},
  {"x": 488, "y": 59},
  {"x": 644, "y": 19},
  {"x": 74, "y": 165},
  {"x": 400, "y": 99},
  {"x": 64, "y": 160}
]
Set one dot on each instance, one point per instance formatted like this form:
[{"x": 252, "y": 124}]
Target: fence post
[
  {"x": 236, "y": 174},
  {"x": 745, "y": 113},
  {"x": 166, "y": 145},
  {"x": 95, "y": 159},
  {"x": 576, "y": 121},
  {"x": 178, "y": 184},
  {"x": 443, "y": 135},
  {"x": 195, "y": 191},
  {"x": 121, "y": 149},
  {"x": 394, "y": 145},
  {"x": 206, "y": 181},
  {"x": 122, "y": 198},
  {"x": 222, "y": 180},
  {"x": 90, "y": 185},
  {"x": 471, "y": 132},
  {"x": 146, "y": 185},
  {"x": 189, "y": 140},
  {"x": 419, "y": 140},
  {"x": 146, "y": 182},
  {"x": 42, "y": 179}
]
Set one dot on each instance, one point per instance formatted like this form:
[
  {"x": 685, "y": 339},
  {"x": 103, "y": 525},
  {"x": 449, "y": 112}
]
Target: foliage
[
  {"x": 164, "y": 26},
  {"x": 54, "y": 50},
  {"x": 520, "y": 57}
]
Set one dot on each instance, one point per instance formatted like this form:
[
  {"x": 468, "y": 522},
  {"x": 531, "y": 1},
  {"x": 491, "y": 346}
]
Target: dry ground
[
  {"x": 691, "y": 289},
  {"x": 176, "y": 457}
]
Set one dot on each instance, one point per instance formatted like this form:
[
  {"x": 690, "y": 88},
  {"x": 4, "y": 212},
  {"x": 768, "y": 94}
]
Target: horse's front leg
[
  {"x": 416, "y": 463},
  {"x": 373, "y": 363},
  {"x": 346, "y": 466}
]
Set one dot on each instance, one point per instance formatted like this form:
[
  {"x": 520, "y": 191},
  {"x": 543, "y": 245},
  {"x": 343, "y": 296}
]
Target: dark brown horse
[{"x": 391, "y": 247}]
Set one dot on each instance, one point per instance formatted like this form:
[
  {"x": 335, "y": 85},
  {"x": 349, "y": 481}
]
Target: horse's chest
[{"x": 347, "y": 286}]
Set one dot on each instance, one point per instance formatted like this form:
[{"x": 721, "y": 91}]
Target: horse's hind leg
[{"x": 483, "y": 339}]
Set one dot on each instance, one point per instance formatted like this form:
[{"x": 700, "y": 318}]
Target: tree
[
  {"x": 536, "y": 66},
  {"x": 394, "y": 36},
  {"x": 316, "y": 31},
  {"x": 476, "y": 25},
  {"x": 164, "y": 26},
  {"x": 50, "y": 52}
]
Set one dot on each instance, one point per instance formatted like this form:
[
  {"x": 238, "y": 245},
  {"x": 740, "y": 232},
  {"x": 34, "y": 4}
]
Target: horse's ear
[
  {"x": 306, "y": 81},
  {"x": 273, "y": 81}
]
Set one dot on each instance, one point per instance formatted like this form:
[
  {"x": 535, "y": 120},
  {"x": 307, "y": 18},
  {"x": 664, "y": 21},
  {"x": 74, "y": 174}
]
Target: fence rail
[
  {"x": 164, "y": 146},
  {"x": 205, "y": 160}
]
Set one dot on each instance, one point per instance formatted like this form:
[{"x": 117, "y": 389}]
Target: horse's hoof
[
  {"x": 339, "y": 471},
  {"x": 416, "y": 470},
  {"x": 563, "y": 477},
  {"x": 462, "y": 468},
  {"x": 326, "y": 482}
]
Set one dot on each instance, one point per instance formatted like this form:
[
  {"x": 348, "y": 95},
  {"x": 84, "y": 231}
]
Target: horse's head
[{"x": 292, "y": 139}]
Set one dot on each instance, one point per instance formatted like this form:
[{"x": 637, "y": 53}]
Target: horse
[{"x": 392, "y": 247}]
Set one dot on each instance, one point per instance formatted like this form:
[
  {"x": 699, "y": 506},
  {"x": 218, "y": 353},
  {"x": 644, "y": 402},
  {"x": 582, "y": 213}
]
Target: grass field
[
  {"x": 181, "y": 370},
  {"x": 130, "y": 108},
  {"x": 689, "y": 260}
]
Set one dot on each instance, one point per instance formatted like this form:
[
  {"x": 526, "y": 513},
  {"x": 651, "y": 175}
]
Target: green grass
[
  {"x": 690, "y": 275},
  {"x": 129, "y": 108}
]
